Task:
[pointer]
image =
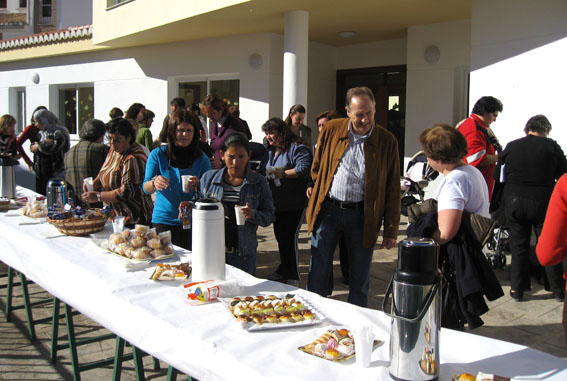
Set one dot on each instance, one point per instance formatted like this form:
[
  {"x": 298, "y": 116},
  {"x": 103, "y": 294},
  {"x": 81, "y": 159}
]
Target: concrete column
[{"x": 296, "y": 52}]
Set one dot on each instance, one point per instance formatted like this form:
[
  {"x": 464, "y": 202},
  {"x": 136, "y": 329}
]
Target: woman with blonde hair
[{"x": 8, "y": 143}]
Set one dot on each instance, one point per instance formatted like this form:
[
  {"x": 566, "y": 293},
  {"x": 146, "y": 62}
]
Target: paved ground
[{"x": 534, "y": 322}]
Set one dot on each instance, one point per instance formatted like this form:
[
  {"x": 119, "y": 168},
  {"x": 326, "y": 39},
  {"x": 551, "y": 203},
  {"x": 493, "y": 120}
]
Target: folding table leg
[
  {"x": 72, "y": 343},
  {"x": 54, "y": 331},
  {"x": 138, "y": 364},
  {"x": 9, "y": 290},
  {"x": 171, "y": 374},
  {"x": 27, "y": 304},
  {"x": 118, "y": 358}
]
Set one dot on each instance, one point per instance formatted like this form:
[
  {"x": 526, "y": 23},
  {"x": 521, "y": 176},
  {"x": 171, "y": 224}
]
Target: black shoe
[
  {"x": 277, "y": 277},
  {"x": 516, "y": 295},
  {"x": 559, "y": 296}
]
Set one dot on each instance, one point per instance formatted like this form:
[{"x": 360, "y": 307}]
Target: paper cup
[
  {"x": 363, "y": 346},
  {"x": 118, "y": 224},
  {"x": 88, "y": 181},
  {"x": 185, "y": 181},
  {"x": 239, "y": 215}
]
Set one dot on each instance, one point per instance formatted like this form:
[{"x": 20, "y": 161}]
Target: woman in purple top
[
  {"x": 287, "y": 164},
  {"x": 223, "y": 125}
]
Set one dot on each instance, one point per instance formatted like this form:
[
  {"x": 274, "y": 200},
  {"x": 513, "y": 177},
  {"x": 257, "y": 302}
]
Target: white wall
[
  {"x": 521, "y": 60},
  {"x": 372, "y": 54},
  {"x": 321, "y": 83},
  {"x": 143, "y": 74},
  {"x": 73, "y": 13},
  {"x": 431, "y": 88}
]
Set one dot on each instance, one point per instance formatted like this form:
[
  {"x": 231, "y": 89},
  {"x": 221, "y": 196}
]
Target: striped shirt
[
  {"x": 348, "y": 182},
  {"x": 124, "y": 174}
]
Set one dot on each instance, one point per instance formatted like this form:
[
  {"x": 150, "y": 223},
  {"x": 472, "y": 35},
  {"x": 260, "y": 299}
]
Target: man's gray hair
[
  {"x": 92, "y": 130},
  {"x": 358, "y": 91}
]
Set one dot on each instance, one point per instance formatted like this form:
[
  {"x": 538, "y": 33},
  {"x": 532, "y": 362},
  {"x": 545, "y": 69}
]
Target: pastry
[
  {"x": 151, "y": 234},
  {"x": 242, "y": 318},
  {"x": 154, "y": 243},
  {"x": 296, "y": 316},
  {"x": 258, "y": 319},
  {"x": 272, "y": 318},
  {"x": 285, "y": 318},
  {"x": 346, "y": 346},
  {"x": 116, "y": 239},
  {"x": 126, "y": 233},
  {"x": 168, "y": 249},
  {"x": 156, "y": 253},
  {"x": 332, "y": 354},
  {"x": 137, "y": 242},
  {"x": 165, "y": 237},
  {"x": 308, "y": 315}
]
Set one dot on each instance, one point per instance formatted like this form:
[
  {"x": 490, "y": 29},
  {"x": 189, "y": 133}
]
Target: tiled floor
[{"x": 534, "y": 322}]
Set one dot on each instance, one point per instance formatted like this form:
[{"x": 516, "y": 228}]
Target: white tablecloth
[{"x": 206, "y": 342}]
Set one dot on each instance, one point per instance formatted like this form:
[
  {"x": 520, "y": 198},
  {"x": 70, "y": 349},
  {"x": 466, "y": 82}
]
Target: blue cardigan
[{"x": 166, "y": 205}]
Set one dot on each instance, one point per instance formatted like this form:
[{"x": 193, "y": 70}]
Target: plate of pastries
[
  {"x": 259, "y": 312},
  {"x": 479, "y": 377},
  {"x": 333, "y": 345},
  {"x": 140, "y": 244},
  {"x": 171, "y": 271}
]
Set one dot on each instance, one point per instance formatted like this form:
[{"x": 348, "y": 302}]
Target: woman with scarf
[
  {"x": 119, "y": 182},
  {"x": 166, "y": 166}
]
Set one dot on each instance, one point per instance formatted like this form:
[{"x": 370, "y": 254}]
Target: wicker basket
[
  {"x": 81, "y": 226},
  {"x": 4, "y": 206}
]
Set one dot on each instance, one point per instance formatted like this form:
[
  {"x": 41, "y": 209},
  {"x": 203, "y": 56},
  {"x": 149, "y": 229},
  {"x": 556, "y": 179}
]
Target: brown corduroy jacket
[{"x": 382, "y": 185}]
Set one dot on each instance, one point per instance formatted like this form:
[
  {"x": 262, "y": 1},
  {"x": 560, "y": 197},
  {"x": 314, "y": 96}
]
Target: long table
[{"x": 206, "y": 342}]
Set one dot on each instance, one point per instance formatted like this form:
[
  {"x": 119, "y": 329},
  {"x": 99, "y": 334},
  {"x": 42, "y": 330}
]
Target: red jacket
[
  {"x": 551, "y": 247},
  {"x": 475, "y": 132}
]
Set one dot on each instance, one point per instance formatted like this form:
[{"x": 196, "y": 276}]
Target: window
[
  {"x": 196, "y": 91},
  {"x": 76, "y": 106},
  {"x": 45, "y": 12},
  {"x": 3, "y": 4},
  {"x": 23, "y": 3},
  {"x": 112, "y": 3}
]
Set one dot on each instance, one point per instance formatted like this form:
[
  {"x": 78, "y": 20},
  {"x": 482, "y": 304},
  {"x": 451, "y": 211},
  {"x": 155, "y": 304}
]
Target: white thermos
[{"x": 208, "y": 241}]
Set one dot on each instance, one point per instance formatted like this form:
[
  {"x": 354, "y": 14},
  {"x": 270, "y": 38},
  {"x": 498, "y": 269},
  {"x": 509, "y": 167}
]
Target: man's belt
[{"x": 344, "y": 204}]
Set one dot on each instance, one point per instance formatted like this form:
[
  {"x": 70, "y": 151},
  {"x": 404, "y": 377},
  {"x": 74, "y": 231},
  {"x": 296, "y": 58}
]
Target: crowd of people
[{"x": 345, "y": 186}]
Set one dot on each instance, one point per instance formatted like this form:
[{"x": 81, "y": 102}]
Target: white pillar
[{"x": 296, "y": 52}]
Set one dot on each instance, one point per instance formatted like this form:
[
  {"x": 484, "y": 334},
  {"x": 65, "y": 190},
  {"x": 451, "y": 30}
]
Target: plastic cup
[
  {"x": 185, "y": 181},
  {"x": 88, "y": 181},
  {"x": 363, "y": 343},
  {"x": 239, "y": 215},
  {"x": 118, "y": 224}
]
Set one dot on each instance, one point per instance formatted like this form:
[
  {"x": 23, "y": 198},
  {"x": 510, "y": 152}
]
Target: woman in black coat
[{"x": 531, "y": 165}]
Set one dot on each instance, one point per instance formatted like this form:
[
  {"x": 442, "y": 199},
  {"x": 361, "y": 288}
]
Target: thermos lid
[
  {"x": 417, "y": 261},
  {"x": 56, "y": 183},
  {"x": 207, "y": 204}
]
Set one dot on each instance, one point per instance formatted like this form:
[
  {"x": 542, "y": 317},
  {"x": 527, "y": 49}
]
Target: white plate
[
  {"x": 101, "y": 243},
  {"x": 251, "y": 326}
]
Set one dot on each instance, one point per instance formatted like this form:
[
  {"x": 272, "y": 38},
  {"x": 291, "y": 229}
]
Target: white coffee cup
[
  {"x": 363, "y": 344},
  {"x": 118, "y": 224},
  {"x": 88, "y": 181},
  {"x": 239, "y": 215},
  {"x": 185, "y": 181}
]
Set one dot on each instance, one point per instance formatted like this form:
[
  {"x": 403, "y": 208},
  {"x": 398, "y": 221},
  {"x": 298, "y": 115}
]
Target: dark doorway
[{"x": 388, "y": 83}]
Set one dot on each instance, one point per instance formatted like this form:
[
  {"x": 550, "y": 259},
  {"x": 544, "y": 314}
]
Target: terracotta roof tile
[{"x": 48, "y": 38}]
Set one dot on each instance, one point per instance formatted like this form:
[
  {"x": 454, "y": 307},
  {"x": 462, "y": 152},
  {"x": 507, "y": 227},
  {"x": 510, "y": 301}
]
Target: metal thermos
[
  {"x": 57, "y": 192},
  {"x": 416, "y": 311},
  {"x": 208, "y": 241},
  {"x": 8, "y": 176}
]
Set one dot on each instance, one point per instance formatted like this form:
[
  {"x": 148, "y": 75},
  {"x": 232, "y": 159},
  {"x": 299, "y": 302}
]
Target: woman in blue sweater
[
  {"x": 165, "y": 166},
  {"x": 236, "y": 184}
]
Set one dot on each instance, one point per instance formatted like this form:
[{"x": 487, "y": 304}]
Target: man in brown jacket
[{"x": 356, "y": 172}]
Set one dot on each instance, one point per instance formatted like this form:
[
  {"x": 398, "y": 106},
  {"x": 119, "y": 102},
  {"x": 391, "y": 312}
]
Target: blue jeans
[{"x": 331, "y": 222}]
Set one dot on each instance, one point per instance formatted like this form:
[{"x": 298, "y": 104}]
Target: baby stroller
[{"x": 417, "y": 177}]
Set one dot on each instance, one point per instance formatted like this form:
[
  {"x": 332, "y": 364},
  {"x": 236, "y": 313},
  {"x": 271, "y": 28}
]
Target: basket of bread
[
  {"x": 4, "y": 204},
  {"x": 78, "y": 221}
]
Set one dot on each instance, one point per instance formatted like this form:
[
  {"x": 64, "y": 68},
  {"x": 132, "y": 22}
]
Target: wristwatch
[
  {"x": 98, "y": 197},
  {"x": 283, "y": 174}
]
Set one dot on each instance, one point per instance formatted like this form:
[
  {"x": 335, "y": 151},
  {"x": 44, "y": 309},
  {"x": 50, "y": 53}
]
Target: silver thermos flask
[
  {"x": 415, "y": 311},
  {"x": 57, "y": 193},
  {"x": 7, "y": 176}
]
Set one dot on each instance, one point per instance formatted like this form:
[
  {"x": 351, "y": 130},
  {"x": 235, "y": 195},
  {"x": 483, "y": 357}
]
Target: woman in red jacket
[{"x": 552, "y": 244}]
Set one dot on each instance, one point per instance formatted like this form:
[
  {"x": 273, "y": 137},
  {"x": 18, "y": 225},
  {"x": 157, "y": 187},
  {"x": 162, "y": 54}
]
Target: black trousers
[
  {"x": 286, "y": 230},
  {"x": 523, "y": 215},
  {"x": 179, "y": 237}
]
